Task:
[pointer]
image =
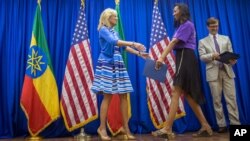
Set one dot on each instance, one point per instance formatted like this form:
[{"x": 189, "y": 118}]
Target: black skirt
[{"x": 187, "y": 75}]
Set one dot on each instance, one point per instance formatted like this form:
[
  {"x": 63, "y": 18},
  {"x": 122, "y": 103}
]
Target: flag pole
[
  {"x": 117, "y": 2},
  {"x": 82, "y": 135},
  {"x": 36, "y": 138},
  {"x": 39, "y": 3},
  {"x": 118, "y": 135},
  {"x": 156, "y": 1},
  {"x": 82, "y": 3}
]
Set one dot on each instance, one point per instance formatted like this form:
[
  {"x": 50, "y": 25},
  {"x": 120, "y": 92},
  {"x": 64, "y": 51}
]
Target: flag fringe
[
  {"x": 161, "y": 125},
  {"x": 78, "y": 125},
  {"x": 129, "y": 116},
  {"x": 40, "y": 130}
]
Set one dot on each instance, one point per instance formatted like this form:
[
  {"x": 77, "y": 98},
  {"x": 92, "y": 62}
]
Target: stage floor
[{"x": 142, "y": 137}]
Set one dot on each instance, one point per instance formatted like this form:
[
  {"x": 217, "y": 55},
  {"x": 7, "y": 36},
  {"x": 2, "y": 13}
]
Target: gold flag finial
[
  {"x": 117, "y": 2},
  {"x": 82, "y": 3},
  {"x": 39, "y": 3},
  {"x": 156, "y": 1}
]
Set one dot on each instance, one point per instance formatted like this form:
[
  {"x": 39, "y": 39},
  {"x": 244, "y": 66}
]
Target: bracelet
[
  {"x": 139, "y": 53},
  {"x": 132, "y": 44},
  {"x": 162, "y": 58}
]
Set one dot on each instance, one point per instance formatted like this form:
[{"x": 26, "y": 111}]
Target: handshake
[{"x": 141, "y": 50}]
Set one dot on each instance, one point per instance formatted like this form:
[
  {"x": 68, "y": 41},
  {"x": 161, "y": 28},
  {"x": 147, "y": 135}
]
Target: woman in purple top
[{"x": 187, "y": 76}]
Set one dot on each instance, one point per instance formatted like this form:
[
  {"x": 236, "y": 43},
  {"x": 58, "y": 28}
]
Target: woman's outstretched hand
[
  {"x": 144, "y": 55},
  {"x": 139, "y": 47}
]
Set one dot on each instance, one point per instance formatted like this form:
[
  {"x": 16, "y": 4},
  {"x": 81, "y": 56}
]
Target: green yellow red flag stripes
[{"x": 39, "y": 99}]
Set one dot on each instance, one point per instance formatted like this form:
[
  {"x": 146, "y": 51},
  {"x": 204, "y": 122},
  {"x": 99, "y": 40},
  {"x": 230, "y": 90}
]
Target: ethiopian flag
[
  {"x": 114, "y": 117},
  {"x": 39, "y": 98}
]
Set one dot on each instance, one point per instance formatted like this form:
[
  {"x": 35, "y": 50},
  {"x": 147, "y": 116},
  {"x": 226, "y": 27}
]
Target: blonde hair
[{"x": 104, "y": 18}]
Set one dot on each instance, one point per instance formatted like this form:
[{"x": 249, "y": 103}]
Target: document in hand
[
  {"x": 226, "y": 56},
  {"x": 151, "y": 72}
]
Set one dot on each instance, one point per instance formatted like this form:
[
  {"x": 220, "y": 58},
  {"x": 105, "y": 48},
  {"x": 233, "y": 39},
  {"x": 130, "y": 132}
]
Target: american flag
[
  {"x": 78, "y": 102},
  {"x": 159, "y": 94}
]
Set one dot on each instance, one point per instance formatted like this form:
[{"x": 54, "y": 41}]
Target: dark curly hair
[{"x": 184, "y": 14}]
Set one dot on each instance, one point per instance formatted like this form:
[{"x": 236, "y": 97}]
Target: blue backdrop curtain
[{"x": 59, "y": 18}]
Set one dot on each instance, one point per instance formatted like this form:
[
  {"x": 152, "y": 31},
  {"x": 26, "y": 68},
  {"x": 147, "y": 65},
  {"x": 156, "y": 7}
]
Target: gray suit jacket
[{"x": 207, "y": 48}]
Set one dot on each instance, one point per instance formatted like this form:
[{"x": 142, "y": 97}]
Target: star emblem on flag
[{"x": 36, "y": 62}]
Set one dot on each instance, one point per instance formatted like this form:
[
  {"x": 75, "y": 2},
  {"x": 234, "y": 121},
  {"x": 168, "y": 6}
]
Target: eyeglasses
[{"x": 213, "y": 26}]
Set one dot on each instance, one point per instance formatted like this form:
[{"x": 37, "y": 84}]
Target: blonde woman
[{"x": 111, "y": 76}]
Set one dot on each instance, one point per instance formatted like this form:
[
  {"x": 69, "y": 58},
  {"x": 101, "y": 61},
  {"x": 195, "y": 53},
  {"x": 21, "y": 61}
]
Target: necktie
[
  {"x": 218, "y": 50},
  {"x": 216, "y": 44}
]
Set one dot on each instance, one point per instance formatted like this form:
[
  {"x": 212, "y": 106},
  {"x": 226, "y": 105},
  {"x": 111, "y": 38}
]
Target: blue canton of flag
[
  {"x": 81, "y": 32},
  {"x": 158, "y": 30}
]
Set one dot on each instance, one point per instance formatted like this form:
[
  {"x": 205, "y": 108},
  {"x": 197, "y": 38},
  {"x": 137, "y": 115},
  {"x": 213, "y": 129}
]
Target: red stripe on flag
[
  {"x": 166, "y": 41},
  {"x": 66, "y": 113},
  {"x": 71, "y": 103},
  {"x": 157, "y": 101},
  {"x": 30, "y": 100},
  {"x": 153, "y": 113},
  {"x": 161, "y": 92},
  {"x": 90, "y": 73},
  {"x": 88, "y": 59},
  {"x": 75, "y": 86}
]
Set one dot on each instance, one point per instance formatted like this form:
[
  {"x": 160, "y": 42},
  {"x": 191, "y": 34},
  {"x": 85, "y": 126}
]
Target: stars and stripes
[{"x": 78, "y": 102}]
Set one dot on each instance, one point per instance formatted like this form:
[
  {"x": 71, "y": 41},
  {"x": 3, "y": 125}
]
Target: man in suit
[{"x": 220, "y": 76}]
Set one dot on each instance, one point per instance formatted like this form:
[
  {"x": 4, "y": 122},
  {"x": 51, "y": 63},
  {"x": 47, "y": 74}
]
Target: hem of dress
[{"x": 103, "y": 92}]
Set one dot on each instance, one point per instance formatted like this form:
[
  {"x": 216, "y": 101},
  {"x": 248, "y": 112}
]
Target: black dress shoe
[{"x": 222, "y": 130}]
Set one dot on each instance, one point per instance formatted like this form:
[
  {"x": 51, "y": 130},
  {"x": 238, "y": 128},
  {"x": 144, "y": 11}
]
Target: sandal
[
  {"x": 163, "y": 134},
  {"x": 130, "y": 137},
  {"x": 127, "y": 136},
  {"x": 103, "y": 137},
  {"x": 203, "y": 133}
]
